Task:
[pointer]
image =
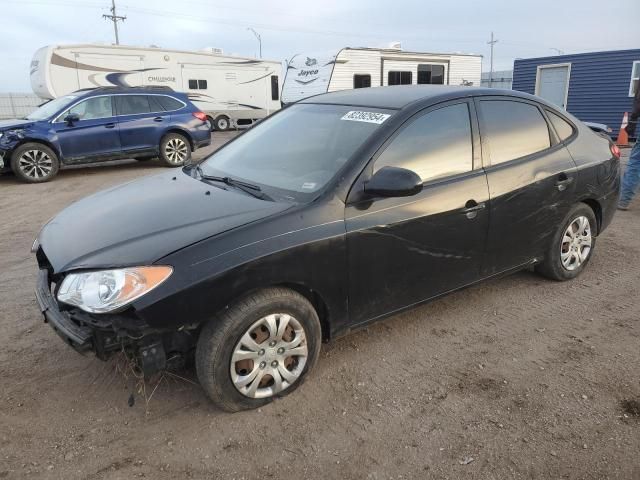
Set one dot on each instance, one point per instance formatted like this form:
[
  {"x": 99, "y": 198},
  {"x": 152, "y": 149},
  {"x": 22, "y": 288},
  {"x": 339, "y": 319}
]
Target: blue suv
[{"x": 103, "y": 124}]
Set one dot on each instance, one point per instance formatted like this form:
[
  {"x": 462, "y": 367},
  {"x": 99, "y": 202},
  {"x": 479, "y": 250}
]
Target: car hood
[
  {"x": 11, "y": 124},
  {"x": 140, "y": 222}
]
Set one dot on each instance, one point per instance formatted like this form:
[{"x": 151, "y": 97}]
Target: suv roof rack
[{"x": 115, "y": 87}]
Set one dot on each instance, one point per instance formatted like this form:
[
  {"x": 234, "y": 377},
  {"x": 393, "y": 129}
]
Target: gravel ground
[{"x": 515, "y": 378}]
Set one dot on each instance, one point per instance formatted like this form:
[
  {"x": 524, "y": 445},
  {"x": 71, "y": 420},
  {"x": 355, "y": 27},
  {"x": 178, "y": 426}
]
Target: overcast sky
[{"x": 524, "y": 29}]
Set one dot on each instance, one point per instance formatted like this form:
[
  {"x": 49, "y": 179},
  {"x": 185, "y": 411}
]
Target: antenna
[
  {"x": 492, "y": 42},
  {"x": 115, "y": 19}
]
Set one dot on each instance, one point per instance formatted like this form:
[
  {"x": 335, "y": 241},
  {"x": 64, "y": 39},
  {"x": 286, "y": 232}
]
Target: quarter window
[
  {"x": 132, "y": 104},
  {"x": 96, "y": 107},
  {"x": 400, "y": 78},
  {"x": 513, "y": 129},
  {"x": 430, "y": 74},
  {"x": 437, "y": 144},
  {"x": 168, "y": 104},
  {"x": 561, "y": 126},
  {"x": 635, "y": 78},
  {"x": 361, "y": 81}
]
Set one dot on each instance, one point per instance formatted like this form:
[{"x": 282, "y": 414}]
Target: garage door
[{"x": 552, "y": 84}]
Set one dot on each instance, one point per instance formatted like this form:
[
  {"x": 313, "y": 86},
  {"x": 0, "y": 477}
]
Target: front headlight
[{"x": 108, "y": 290}]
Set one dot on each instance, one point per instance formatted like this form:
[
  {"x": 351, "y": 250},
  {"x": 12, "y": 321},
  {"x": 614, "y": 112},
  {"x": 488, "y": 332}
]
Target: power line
[{"x": 115, "y": 18}]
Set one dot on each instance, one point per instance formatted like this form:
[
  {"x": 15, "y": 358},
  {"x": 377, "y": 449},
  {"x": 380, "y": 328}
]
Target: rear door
[
  {"x": 531, "y": 181},
  {"x": 94, "y": 137},
  {"x": 142, "y": 122},
  {"x": 405, "y": 250}
]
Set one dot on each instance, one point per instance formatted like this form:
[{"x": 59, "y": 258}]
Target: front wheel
[
  {"x": 259, "y": 349},
  {"x": 175, "y": 150},
  {"x": 572, "y": 245},
  {"x": 34, "y": 163}
]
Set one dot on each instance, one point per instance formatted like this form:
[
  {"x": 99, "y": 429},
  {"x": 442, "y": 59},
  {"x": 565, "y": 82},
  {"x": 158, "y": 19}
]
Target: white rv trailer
[
  {"x": 229, "y": 89},
  {"x": 309, "y": 75}
]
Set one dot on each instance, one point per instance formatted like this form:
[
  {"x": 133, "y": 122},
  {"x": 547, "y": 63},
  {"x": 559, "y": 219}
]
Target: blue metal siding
[{"x": 598, "y": 83}]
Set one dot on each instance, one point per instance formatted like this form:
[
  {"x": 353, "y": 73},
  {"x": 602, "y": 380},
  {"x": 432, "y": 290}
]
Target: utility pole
[
  {"x": 492, "y": 42},
  {"x": 258, "y": 37},
  {"x": 115, "y": 19}
]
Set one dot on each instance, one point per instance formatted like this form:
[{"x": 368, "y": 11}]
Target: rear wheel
[
  {"x": 210, "y": 123},
  {"x": 175, "y": 150},
  {"x": 572, "y": 245},
  {"x": 34, "y": 163},
  {"x": 222, "y": 123},
  {"x": 259, "y": 349}
]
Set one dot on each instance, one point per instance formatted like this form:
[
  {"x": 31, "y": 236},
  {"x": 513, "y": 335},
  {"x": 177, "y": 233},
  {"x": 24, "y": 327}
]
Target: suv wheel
[
  {"x": 34, "y": 163},
  {"x": 572, "y": 245},
  {"x": 222, "y": 123},
  {"x": 259, "y": 349},
  {"x": 175, "y": 150}
]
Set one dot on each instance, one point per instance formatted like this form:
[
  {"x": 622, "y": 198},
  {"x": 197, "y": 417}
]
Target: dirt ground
[{"x": 516, "y": 378}]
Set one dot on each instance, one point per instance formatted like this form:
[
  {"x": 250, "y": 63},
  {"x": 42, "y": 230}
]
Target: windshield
[
  {"x": 49, "y": 108},
  {"x": 299, "y": 149}
]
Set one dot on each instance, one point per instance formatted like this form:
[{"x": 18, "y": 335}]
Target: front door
[
  {"x": 531, "y": 182},
  {"x": 552, "y": 84},
  {"x": 405, "y": 250},
  {"x": 94, "y": 136}
]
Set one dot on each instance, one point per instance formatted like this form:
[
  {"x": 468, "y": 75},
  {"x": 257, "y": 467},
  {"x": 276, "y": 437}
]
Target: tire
[
  {"x": 175, "y": 150},
  {"x": 220, "y": 339},
  {"x": 222, "y": 123},
  {"x": 210, "y": 123},
  {"x": 34, "y": 163},
  {"x": 566, "y": 259}
]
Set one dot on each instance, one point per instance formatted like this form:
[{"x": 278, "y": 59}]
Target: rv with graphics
[
  {"x": 309, "y": 75},
  {"x": 231, "y": 90}
]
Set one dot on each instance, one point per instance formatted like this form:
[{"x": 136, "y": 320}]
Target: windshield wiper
[{"x": 250, "y": 188}]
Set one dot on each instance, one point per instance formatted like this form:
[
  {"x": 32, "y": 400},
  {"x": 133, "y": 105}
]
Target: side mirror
[
  {"x": 394, "y": 182},
  {"x": 71, "y": 119}
]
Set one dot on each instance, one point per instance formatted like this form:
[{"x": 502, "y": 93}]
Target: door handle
[
  {"x": 472, "y": 208},
  {"x": 158, "y": 119},
  {"x": 563, "y": 182},
  {"x": 110, "y": 125}
]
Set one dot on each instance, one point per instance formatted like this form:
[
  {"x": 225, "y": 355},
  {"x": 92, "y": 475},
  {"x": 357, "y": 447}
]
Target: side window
[
  {"x": 435, "y": 145},
  {"x": 275, "y": 89},
  {"x": 132, "y": 104},
  {"x": 361, "y": 81},
  {"x": 431, "y": 74},
  {"x": 561, "y": 126},
  {"x": 513, "y": 129},
  {"x": 154, "y": 104},
  {"x": 635, "y": 78},
  {"x": 400, "y": 78},
  {"x": 193, "y": 84},
  {"x": 93, "y": 108},
  {"x": 168, "y": 104},
  {"x": 202, "y": 84}
]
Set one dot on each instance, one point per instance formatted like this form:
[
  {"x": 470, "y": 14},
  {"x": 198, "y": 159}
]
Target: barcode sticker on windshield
[{"x": 369, "y": 117}]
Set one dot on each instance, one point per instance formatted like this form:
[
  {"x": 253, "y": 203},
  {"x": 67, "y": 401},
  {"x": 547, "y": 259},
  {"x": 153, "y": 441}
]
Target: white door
[{"x": 552, "y": 84}]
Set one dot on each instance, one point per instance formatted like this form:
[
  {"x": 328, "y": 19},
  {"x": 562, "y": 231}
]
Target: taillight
[
  {"x": 615, "y": 150},
  {"x": 200, "y": 116}
]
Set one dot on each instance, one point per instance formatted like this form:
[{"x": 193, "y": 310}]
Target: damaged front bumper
[{"x": 106, "y": 335}]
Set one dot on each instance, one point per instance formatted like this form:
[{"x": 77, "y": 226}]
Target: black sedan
[{"x": 335, "y": 212}]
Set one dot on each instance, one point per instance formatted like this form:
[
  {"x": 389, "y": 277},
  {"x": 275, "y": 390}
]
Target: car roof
[
  {"x": 400, "y": 96},
  {"x": 87, "y": 92}
]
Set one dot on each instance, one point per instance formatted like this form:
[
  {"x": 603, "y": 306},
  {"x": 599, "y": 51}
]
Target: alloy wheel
[
  {"x": 270, "y": 356},
  {"x": 35, "y": 164},
  {"x": 576, "y": 243},
  {"x": 176, "y": 151}
]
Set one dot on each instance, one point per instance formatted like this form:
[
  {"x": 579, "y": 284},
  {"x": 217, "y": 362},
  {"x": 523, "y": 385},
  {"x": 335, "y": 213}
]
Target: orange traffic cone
[{"x": 623, "y": 136}]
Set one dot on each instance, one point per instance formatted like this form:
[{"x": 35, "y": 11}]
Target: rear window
[
  {"x": 132, "y": 104},
  {"x": 560, "y": 125},
  {"x": 513, "y": 129}
]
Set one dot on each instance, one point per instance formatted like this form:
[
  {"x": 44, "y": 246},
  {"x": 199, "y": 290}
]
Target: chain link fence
[{"x": 18, "y": 105}]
